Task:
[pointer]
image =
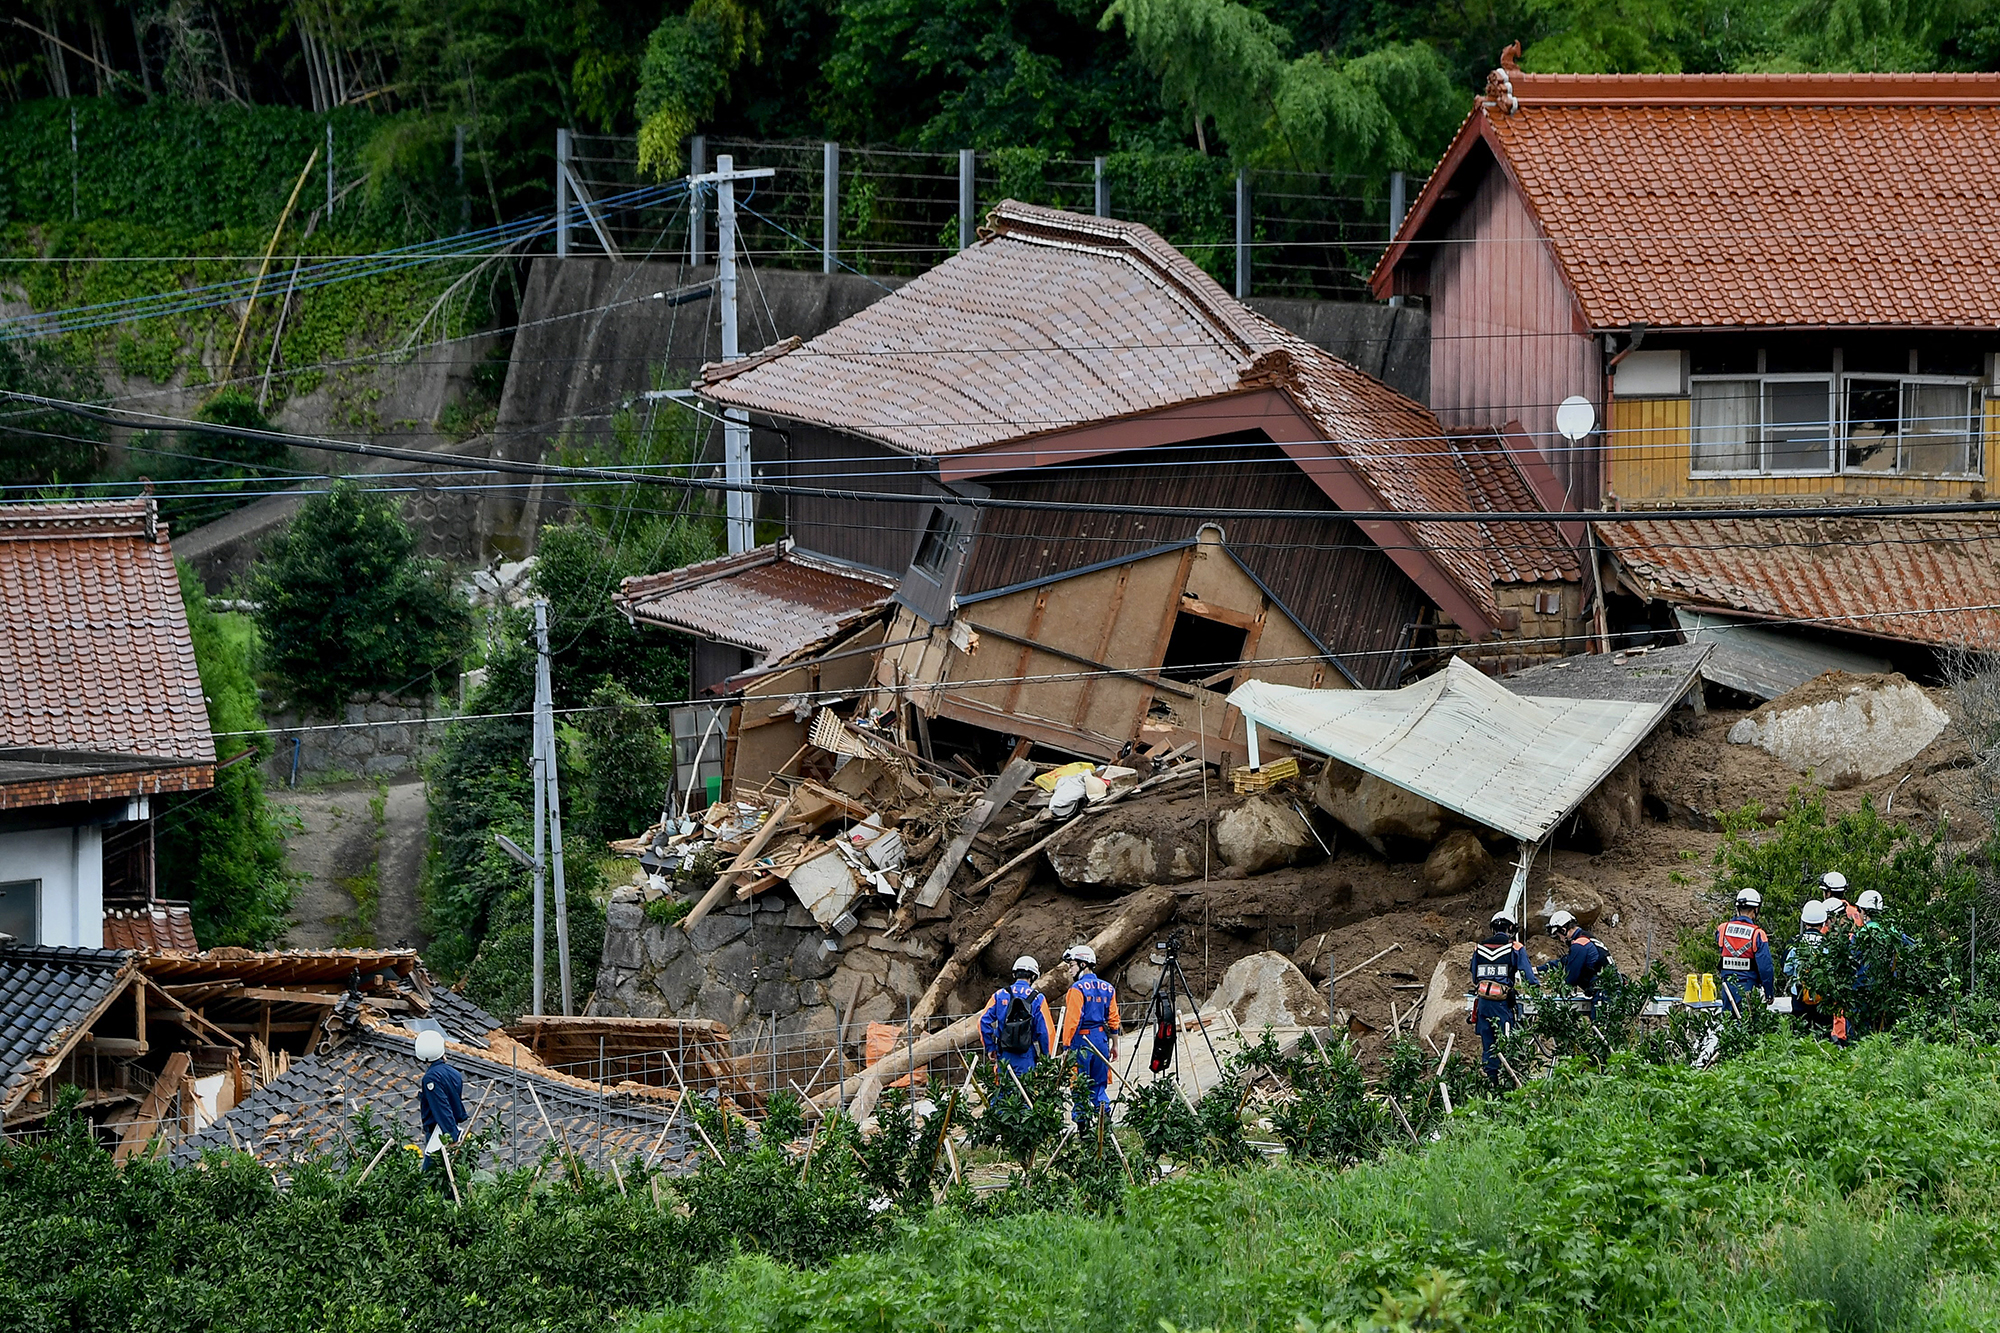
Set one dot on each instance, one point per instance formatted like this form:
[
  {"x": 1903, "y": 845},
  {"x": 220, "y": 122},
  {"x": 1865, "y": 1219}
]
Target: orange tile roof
[
  {"x": 1920, "y": 580},
  {"x": 94, "y": 649},
  {"x": 1056, "y": 320},
  {"x": 1751, "y": 200},
  {"x": 155, "y": 927}
]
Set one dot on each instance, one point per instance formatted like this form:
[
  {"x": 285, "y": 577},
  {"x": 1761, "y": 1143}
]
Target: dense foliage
[
  {"x": 223, "y": 849},
  {"x": 38, "y": 445},
  {"x": 345, "y": 604}
]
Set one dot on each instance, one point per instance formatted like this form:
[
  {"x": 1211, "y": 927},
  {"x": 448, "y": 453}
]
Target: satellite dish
[{"x": 1575, "y": 418}]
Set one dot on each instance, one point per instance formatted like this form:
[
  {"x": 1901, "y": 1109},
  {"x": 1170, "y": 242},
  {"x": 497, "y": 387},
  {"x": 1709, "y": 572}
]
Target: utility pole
[
  {"x": 548, "y": 806},
  {"x": 736, "y": 423}
]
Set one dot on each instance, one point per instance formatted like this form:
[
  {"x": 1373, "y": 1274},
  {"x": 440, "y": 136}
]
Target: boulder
[
  {"x": 1260, "y": 833},
  {"x": 1611, "y": 811},
  {"x": 1265, "y": 990},
  {"x": 1845, "y": 729},
  {"x": 1459, "y": 861},
  {"x": 1390, "y": 819},
  {"x": 1560, "y": 893},
  {"x": 1445, "y": 1000},
  {"x": 1132, "y": 848}
]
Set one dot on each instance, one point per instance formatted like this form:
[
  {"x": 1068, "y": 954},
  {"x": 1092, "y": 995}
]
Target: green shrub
[
  {"x": 1867, "y": 1278},
  {"x": 45, "y": 446},
  {"x": 203, "y": 475},
  {"x": 346, "y": 605},
  {"x": 223, "y": 849},
  {"x": 624, "y": 762}
]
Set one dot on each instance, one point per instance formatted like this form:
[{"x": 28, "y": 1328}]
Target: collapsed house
[{"x": 1009, "y": 407}]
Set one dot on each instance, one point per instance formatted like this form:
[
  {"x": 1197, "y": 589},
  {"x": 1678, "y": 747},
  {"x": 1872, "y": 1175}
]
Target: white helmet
[
  {"x": 1869, "y": 901},
  {"x": 1560, "y": 922},
  {"x": 1500, "y": 918},
  {"x": 1834, "y": 883},
  {"x": 1749, "y": 898},
  {"x": 1813, "y": 913},
  {"x": 430, "y": 1046},
  {"x": 1026, "y": 963},
  {"x": 1080, "y": 953}
]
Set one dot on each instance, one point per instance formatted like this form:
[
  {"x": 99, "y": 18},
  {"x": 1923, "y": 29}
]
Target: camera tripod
[{"x": 1162, "y": 1013}]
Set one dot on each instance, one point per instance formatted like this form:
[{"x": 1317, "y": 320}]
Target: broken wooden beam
[
  {"x": 1011, "y": 778},
  {"x": 744, "y": 860}
]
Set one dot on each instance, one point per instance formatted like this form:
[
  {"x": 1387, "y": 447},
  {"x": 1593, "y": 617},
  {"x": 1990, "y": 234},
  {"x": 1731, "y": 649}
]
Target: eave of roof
[{"x": 779, "y": 601}]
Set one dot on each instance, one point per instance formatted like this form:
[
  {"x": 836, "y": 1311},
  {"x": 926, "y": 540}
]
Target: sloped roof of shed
[
  {"x": 47, "y": 994},
  {"x": 773, "y": 600}
]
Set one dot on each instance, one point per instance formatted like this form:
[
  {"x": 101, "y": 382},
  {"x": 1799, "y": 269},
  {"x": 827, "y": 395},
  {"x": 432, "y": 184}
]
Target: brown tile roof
[
  {"x": 156, "y": 927},
  {"x": 94, "y": 650},
  {"x": 1762, "y": 200},
  {"x": 1056, "y": 320},
  {"x": 1492, "y": 479},
  {"x": 1920, "y": 580},
  {"x": 774, "y": 600}
]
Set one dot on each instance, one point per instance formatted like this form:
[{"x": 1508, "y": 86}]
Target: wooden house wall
[
  {"x": 1055, "y": 656},
  {"x": 1507, "y": 339},
  {"x": 1649, "y": 457},
  {"x": 1336, "y": 580},
  {"x": 767, "y": 737},
  {"x": 879, "y": 535}
]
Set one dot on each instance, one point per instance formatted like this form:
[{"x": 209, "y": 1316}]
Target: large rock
[
  {"x": 1611, "y": 811},
  {"x": 1129, "y": 849},
  {"x": 1265, "y": 990},
  {"x": 1459, "y": 861},
  {"x": 1560, "y": 893},
  {"x": 1261, "y": 833},
  {"x": 1394, "y": 821},
  {"x": 1845, "y": 729},
  {"x": 1445, "y": 1000}
]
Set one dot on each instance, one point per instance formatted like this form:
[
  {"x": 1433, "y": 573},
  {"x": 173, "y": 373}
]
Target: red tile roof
[
  {"x": 1921, "y": 580},
  {"x": 1492, "y": 479},
  {"x": 774, "y": 600},
  {"x": 94, "y": 649},
  {"x": 157, "y": 927},
  {"x": 1056, "y": 320},
  {"x": 1760, "y": 200}
]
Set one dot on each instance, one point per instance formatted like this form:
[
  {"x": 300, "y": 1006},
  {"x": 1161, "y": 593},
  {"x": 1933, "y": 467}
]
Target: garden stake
[{"x": 386, "y": 1145}]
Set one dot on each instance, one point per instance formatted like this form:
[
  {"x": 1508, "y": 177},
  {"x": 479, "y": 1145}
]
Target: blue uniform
[
  {"x": 1499, "y": 965},
  {"x": 1090, "y": 1023},
  {"x": 441, "y": 1104},
  {"x": 1746, "y": 958},
  {"x": 1584, "y": 964},
  {"x": 996, "y": 1014}
]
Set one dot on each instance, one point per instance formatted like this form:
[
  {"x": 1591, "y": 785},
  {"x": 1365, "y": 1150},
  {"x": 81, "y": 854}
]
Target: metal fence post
[
  {"x": 562, "y": 194},
  {"x": 697, "y": 213},
  {"x": 1103, "y": 183},
  {"x": 1398, "y": 204},
  {"x": 967, "y": 197},
  {"x": 1242, "y": 236},
  {"x": 829, "y": 218}
]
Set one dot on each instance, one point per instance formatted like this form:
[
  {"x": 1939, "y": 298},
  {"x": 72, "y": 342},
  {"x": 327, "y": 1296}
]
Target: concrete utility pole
[
  {"x": 736, "y": 423},
  {"x": 548, "y": 810}
]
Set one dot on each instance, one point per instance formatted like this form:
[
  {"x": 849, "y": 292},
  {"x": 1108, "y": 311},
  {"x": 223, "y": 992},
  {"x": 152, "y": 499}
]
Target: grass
[{"x": 357, "y": 928}]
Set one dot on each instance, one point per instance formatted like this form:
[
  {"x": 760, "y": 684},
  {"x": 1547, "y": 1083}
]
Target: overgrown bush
[
  {"x": 346, "y": 605},
  {"x": 202, "y": 475},
  {"x": 41, "y": 445},
  {"x": 623, "y": 761},
  {"x": 223, "y": 849}
]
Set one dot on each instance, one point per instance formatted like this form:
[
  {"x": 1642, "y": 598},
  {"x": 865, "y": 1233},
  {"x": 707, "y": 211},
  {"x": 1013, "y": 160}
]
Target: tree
[
  {"x": 220, "y": 472},
  {"x": 689, "y": 60},
  {"x": 40, "y": 446},
  {"x": 346, "y": 605},
  {"x": 224, "y": 848},
  {"x": 624, "y": 760}
]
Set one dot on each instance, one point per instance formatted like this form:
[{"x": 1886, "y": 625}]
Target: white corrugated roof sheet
[{"x": 1516, "y": 764}]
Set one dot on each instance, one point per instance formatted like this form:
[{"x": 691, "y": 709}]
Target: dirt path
[{"x": 359, "y": 856}]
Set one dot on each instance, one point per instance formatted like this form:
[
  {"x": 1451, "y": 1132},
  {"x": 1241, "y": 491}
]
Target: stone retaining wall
[{"x": 382, "y": 737}]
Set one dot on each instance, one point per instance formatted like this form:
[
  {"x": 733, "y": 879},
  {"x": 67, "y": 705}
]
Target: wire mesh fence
[{"x": 898, "y": 211}]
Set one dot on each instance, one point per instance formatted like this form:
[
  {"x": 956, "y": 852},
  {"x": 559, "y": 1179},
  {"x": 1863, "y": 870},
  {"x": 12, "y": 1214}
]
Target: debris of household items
[
  {"x": 520, "y": 1108},
  {"x": 1267, "y": 990},
  {"x": 1845, "y": 729},
  {"x": 1456, "y": 748}
]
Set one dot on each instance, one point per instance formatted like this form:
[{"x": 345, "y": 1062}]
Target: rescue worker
[
  {"x": 1799, "y": 958},
  {"x": 1585, "y": 961},
  {"x": 1834, "y": 885},
  {"x": 440, "y": 1095},
  {"x": 1090, "y": 1020},
  {"x": 1499, "y": 964},
  {"x": 1869, "y": 905},
  {"x": 1015, "y": 1027},
  {"x": 1746, "y": 951}
]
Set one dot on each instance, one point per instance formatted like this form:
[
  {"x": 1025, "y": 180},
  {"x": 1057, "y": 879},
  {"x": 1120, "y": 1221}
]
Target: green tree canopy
[{"x": 346, "y": 605}]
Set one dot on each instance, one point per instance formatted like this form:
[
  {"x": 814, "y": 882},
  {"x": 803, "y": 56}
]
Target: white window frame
[
  {"x": 1837, "y": 419},
  {"x": 1975, "y": 416},
  {"x": 1836, "y": 428}
]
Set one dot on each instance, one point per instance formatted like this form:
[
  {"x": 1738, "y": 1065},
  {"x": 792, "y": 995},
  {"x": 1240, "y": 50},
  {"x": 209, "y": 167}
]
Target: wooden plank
[
  {"x": 1001, "y": 792},
  {"x": 146, "y": 1122},
  {"x": 273, "y": 996},
  {"x": 743, "y": 861}
]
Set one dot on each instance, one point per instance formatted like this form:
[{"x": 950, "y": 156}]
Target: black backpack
[{"x": 1017, "y": 1029}]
